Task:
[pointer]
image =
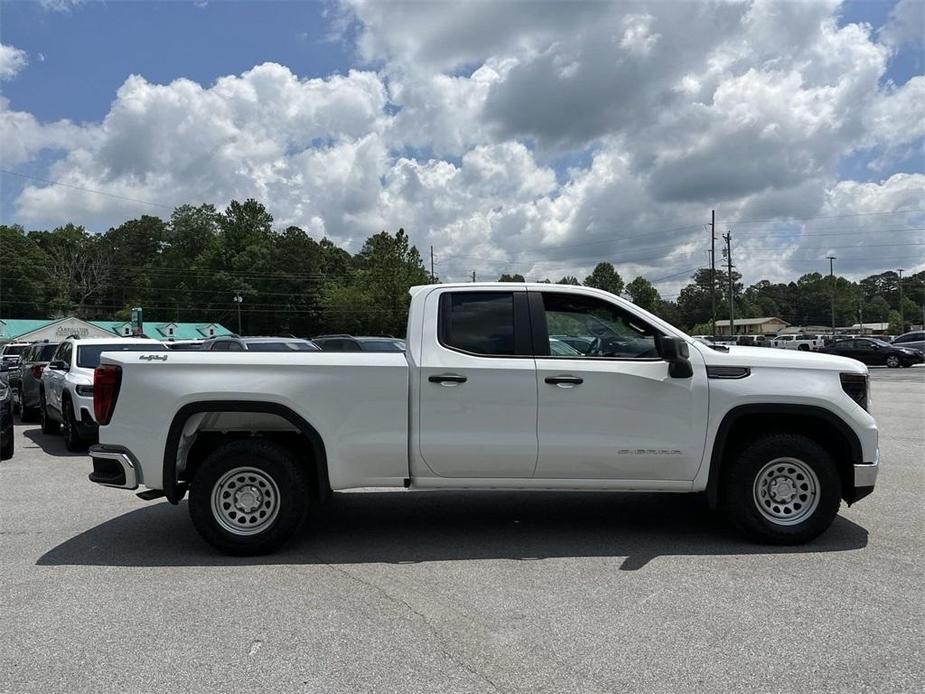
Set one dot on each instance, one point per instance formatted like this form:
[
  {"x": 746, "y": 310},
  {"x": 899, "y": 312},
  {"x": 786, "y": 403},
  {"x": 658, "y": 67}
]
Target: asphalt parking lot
[{"x": 428, "y": 592}]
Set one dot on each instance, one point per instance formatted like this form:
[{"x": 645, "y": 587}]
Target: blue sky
[
  {"x": 90, "y": 50},
  {"x": 79, "y": 58}
]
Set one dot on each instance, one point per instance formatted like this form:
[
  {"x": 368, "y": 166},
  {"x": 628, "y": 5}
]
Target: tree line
[{"x": 191, "y": 266}]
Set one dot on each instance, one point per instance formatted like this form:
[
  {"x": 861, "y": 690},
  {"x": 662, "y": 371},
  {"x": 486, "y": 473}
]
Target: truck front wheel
[
  {"x": 782, "y": 489},
  {"x": 249, "y": 497}
]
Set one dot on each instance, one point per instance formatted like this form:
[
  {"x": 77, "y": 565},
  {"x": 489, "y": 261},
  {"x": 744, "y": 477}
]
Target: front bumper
[
  {"x": 114, "y": 467},
  {"x": 865, "y": 478}
]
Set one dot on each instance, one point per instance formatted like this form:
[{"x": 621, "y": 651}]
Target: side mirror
[
  {"x": 674, "y": 350},
  {"x": 57, "y": 365}
]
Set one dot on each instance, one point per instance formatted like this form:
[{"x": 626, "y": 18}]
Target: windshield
[
  {"x": 282, "y": 346},
  {"x": 88, "y": 356},
  {"x": 46, "y": 353},
  {"x": 881, "y": 343},
  {"x": 14, "y": 351}
]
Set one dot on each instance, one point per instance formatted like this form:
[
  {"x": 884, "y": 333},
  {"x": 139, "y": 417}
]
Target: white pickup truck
[
  {"x": 802, "y": 343},
  {"x": 482, "y": 399}
]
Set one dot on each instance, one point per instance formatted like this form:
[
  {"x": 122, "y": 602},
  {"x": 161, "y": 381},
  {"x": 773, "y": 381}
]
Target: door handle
[
  {"x": 446, "y": 379},
  {"x": 564, "y": 380}
]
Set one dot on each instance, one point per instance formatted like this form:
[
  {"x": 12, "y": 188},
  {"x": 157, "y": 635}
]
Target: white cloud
[
  {"x": 12, "y": 60},
  {"x": 906, "y": 23},
  {"x": 535, "y": 141}
]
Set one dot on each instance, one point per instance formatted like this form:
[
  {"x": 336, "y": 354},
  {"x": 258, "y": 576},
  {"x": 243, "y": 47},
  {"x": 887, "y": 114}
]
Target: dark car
[
  {"x": 874, "y": 352},
  {"x": 6, "y": 422},
  {"x": 27, "y": 381},
  {"x": 232, "y": 343},
  {"x": 349, "y": 343}
]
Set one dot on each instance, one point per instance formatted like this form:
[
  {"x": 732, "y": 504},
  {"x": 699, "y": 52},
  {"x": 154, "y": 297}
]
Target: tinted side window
[
  {"x": 220, "y": 346},
  {"x": 478, "y": 322},
  {"x": 234, "y": 347},
  {"x": 603, "y": 329}
]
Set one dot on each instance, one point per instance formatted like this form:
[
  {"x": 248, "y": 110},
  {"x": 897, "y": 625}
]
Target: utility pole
[
  {"x": 727, "y": 237},
  {"x": 433, "y": 277},
  {"x": 238, "y": 299},
  {"x": 832, "y": 260},
  {"x": 902, "y": 317},
  {"x": 473, "y": 275},
  {"x": 713, "y": 272}
]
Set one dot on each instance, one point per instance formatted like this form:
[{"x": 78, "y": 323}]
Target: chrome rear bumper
[{"x": 113, "y": 468}]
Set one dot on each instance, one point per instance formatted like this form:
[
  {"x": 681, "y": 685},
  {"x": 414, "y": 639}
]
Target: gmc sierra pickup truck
[{"x": 484, "y": 398}]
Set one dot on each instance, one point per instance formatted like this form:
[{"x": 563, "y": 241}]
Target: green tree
[
  {"x": 511, "y": 278},
  {"x": 643, "y": 294},
  {"x": 569, "y": 279},
  {"x": 374, "y": 299},
  {"x": 896, "y": 327},
  {"x": 24, "y": 275},
  {"x": 605, "y": 276}
]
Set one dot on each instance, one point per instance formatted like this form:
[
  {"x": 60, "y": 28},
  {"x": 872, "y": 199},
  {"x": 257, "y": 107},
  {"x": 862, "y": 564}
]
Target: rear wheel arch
[
  {"x": 744, "y": 423},
  {"x": 174, "y": 489}
]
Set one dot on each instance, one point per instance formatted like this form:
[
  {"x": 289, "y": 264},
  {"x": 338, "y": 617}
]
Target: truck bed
[{"x": 357, "y": 402}]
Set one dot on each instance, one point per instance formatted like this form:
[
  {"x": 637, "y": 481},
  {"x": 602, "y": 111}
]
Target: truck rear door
[{"x": 478, "y": 389}]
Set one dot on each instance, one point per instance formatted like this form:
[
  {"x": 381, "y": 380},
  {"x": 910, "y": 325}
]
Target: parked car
[
  {"x": 915, "y": 340},
  {"x": 232, "y": 343},
  {"x": 184, "y": 344},
  {"x": 27, "y": 386},
  {"x": 480, "y": 400},
  {"x": 753, "y": 341},
  {"x": 11, "y": 351},
  {"x": 6, "y": 423},
  {"x": 348, "y": 343},
  {"x": 66, "y": 390},
  {"x": 874, "y": 352}
]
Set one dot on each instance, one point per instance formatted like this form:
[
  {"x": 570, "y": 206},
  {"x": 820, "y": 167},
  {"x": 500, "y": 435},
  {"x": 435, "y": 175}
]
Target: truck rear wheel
[
  {"x": 249, "y": 497},
  {"x": 782, "y": 489}
]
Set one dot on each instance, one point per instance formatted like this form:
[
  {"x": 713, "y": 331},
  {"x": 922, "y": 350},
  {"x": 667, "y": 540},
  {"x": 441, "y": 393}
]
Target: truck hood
[{"x": 770, "y": 357}]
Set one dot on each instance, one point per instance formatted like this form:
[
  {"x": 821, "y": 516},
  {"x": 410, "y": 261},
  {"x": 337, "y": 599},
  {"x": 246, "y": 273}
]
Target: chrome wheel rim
[
  {"x": 786, "y": 491},
  {"x": 892, "y": 361},
  {"x": 245, "y": 501}
]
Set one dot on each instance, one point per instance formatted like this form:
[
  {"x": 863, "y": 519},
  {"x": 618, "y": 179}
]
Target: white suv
[{"x": 66, "y": 391}]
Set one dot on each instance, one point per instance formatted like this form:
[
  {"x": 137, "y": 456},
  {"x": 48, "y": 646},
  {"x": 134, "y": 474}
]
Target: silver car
[{"x": 915, "y": 339}]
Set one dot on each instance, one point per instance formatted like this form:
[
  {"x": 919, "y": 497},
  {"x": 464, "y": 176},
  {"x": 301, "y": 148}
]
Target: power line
[{"x": 87, "y": 190}]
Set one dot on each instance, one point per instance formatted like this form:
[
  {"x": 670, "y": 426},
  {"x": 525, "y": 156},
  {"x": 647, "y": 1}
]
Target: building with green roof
[{"x": 54, "y": 329}]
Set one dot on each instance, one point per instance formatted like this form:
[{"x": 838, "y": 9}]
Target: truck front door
[
  {"x": 477, "y": 381},
  {"x": 610, "y": 410}
]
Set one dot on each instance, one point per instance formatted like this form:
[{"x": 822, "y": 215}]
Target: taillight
[
  {"x": 37, "y": 371},
  {"x": 106, "y": 382}
]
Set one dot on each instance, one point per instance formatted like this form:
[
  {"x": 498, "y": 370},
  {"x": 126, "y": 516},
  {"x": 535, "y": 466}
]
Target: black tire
[
  {"x": 803, "y": 348},
  {"x": 750, "y": 476},
  {"x": 275, "y": 475},
  {"x": 72, "y": 440},
  {"x": 49, "y": 425},
  {"x": 26, "y": 414},
  {"x": 892, "y": 361},
  {"x": 8, "y": 449}
]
